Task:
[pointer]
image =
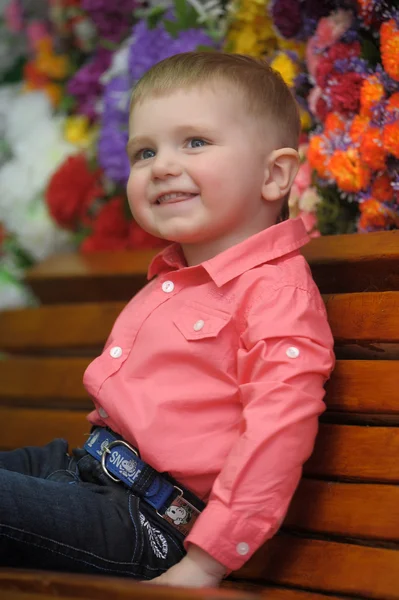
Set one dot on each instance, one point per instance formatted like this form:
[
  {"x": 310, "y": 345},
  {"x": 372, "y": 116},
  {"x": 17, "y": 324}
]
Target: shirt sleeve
[{"x": 285, "y": 357}]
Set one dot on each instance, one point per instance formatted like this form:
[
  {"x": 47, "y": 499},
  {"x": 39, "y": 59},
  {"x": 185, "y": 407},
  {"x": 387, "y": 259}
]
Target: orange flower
[
  {"x": 333, "y": 123},
  {"x": 371, "y": 92},
  {"x": 393, "y": 103},
  {"x": 318, "y": 155},
  {"x": 358, "y": 126},
  {"x": 381, "y": 189},
  {"x": 390, "y": 138},
  {"x": 389, "y": 46},
  {"x": 372, "y": 149},
  {"x": 53, "y": 65},
  {"x": 374, "y": 215},
  {"x": 349, "y": 171}
]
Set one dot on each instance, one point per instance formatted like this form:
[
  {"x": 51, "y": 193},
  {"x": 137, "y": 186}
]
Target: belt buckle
[
  {"x": 107, "y": 450},
  {"x": 181, "y": 513}
]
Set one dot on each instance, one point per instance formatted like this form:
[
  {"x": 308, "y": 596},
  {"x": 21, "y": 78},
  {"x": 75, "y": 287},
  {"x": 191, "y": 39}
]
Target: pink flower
[
  {"x": 13, "y": 16},
  {"x": 329, "y": 30},
  {"x": 304, "y": 177},
  {"x": 36, "y": 31}
]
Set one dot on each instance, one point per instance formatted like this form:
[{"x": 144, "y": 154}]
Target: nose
[{"x": 166, "y": 164}]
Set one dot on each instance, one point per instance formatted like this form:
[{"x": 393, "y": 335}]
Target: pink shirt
[{"x": 216, "y": 372}]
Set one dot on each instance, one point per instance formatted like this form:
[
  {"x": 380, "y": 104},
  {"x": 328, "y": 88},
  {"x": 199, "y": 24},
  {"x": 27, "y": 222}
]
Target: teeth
[{"x": 173, "y": 195}]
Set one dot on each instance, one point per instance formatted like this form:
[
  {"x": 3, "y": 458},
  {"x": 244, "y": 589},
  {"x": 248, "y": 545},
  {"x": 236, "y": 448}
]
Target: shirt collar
[{"x": 269, "y": 244}]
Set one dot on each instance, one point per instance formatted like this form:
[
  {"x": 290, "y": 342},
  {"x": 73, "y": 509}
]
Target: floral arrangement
[
  {"x": 67, "y": 68},
  {"x": 351, "y": 87}
]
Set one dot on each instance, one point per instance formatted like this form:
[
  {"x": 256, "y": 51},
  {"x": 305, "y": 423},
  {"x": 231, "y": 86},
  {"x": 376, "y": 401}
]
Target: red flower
[
  {"x": 110, "y": 228},
  {"x": 70, "y": 191},
  {"x": 325, "y": 68},
  {"x": 345, "y": 93}
]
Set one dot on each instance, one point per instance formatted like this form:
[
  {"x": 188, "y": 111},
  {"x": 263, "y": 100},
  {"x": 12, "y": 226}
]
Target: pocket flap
[{"x": 197, "y": 321}]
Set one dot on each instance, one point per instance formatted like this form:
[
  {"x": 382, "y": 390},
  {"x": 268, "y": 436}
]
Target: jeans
[{"x": 61, "y": 512}]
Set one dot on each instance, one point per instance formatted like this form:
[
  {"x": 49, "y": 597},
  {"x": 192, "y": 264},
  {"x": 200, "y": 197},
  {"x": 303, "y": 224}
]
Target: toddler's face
[{"x": 198, "y": 162}]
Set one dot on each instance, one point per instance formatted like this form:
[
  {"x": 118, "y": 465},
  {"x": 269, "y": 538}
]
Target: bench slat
[
  {"x": 357, "y": 510},
  {"x": 325, "y": 566},
  {"x": 351, "y": 451},
  {"x": 341, "y": 263},
  {"x": 46, "y": 585},
  {"x": 356, "y": 386},
  {"x": 353, "y": 317},
  {"x": 342, "y": 451}
]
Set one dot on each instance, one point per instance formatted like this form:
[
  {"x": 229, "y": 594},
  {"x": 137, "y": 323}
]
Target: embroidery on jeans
[
  {"x": 179, "y": 514},
  {"x": 158, "y": 542}
]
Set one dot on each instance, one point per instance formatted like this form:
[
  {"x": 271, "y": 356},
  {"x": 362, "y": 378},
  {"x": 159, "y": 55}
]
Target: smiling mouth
[{"x": 174, "y": 197}]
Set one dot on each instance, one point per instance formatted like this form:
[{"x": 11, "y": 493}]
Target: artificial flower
[
  {"x": 377, "y": 216},
  {"x": 348, "y": 170},
  {"x": 371, "y": 148},
  {"x": 69, "y": 193},
  {"x": 382, "y": 189},
  {"x": 329, "y": 30},
  {"x": 284, "y": 63},
  {"x": 389, "y": 46},
  {"x": 372, "y": 91}
]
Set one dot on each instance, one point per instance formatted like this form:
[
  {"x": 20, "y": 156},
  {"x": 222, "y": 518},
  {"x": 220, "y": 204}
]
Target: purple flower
[
  {"x": 150, "y": 46},
  {"x": 287, "y": 17},
  {"x": 112, "y": 19},
  {"x": 112, "y": 153},
  {"x": 85, "y": 85},
  {"x": 116, "y": 100}
]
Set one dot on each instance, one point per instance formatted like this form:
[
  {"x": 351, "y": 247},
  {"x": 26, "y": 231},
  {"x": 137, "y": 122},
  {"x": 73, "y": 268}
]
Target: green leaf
[
  {"x": 203, "y": 48},
  {"x": 171, "y": 27},
  {"x": 155, "y": 16}
]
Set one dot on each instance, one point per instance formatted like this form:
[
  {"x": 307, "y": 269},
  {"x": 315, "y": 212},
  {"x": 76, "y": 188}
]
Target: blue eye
[
  {"x": 144, "y": 154},
  {"x": 196, "y": 143}
]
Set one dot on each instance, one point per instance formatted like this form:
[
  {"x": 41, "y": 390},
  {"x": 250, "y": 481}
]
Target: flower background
[{"x": 67, "y": 68}]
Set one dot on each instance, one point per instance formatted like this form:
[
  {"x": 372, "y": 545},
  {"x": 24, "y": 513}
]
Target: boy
[{"x": 209, "y": 388}]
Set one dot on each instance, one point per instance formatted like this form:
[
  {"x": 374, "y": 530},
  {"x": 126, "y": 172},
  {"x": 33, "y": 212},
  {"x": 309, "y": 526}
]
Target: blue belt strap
[{"x": 122, "y": 462}]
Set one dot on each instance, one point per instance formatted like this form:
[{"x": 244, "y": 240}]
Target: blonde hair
[
  {"x": 264, "y": 91},
  {"x": 265, "y": 94}
]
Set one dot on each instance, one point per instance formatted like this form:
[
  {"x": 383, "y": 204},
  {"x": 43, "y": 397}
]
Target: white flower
[
  {"x": 25, "y": 114},
  {"x": 309, "y": 200},
  {"x": 120, "y": 62},
  {"x": 37, "y": 234},
  {"x": 13, "y": 294}
]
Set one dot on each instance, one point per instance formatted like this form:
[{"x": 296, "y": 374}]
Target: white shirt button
[
  {"x": 198, "y": 325},
  {"x": 242, "y": 548},
  {"x": 103, "y": 413},
  {"x": 116, "y": 352},
  {"x": 292, "y": 352},
  {"x": 168, "y": 286}
]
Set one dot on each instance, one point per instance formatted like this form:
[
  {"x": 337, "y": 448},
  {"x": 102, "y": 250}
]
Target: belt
[{"x": 121, "y": 462}]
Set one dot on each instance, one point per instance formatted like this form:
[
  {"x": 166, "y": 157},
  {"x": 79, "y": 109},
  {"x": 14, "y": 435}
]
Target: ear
[{"x": 282, "y": 167}]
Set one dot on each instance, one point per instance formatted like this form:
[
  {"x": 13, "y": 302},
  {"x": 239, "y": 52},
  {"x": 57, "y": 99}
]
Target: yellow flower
[
  {"x": 77, "y": 131},
  {"x": 287, "y": 67},
  {"x": 251, "y": 29},
  {"x": 306, "y": 119}
]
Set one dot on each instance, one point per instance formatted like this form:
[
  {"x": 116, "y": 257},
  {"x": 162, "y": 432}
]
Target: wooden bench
[{"x": 341, "y": 535}]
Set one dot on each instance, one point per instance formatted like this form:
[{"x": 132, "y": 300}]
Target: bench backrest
[{"x": 341, "y": 535}]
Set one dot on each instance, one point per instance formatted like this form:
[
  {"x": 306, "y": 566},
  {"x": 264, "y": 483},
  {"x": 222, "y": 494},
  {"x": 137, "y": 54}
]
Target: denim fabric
[{"x": 61, "y": 512}]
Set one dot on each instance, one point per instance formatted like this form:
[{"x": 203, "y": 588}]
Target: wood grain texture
[
  {"x": 353, "y": 317},
  {"x": 357, "y": 510},
  {"x": 342, "y": 263},
  {"x": 89, "y": 587},
  {"x": 325, "y": 566},
  {"x": 342, "y": 451},
  {"x": 356, "y": 386},
  {"x": 355, "y": 452}
]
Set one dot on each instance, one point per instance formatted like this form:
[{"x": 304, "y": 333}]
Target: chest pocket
[{"x": 195, "y": 321}]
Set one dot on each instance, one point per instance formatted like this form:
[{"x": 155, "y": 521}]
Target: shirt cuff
[{"x": 228, "y": 537}]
